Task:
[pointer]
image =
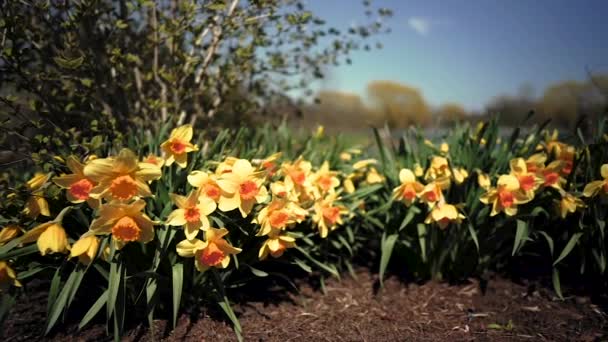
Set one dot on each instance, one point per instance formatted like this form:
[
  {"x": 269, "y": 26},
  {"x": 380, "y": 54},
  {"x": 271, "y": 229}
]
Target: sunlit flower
[
  {"x": 418, "y": 170},
  {"x": 325, "y": 180},
  {"x": 214, "y": 251},
  {"x": 444, "y": 148},
  {"x": 78, "y": 186},
  {"x": 225, "y": 166},
  {"x": 439, "y": 168},
  {"x": 529, "y": 182},
  {"x": 276, "y": 245},
  {"x": 8, "y": 233},
  {"x": 409, "y": 188},
  {"x": 328, "y": 216},
  {"x": 460, "y": 175},
  {"x": 345, "y": 156},
  {"x": 282, "y": 190},
  {"x": 598, "y": 186},
  {"x": 483, "y": 179},
  {"x": 126, "y": 223},
  {"x": 85, "y": 249},
  {"x": 154, "y": 159},
  {"x": 443, "y": 215},
  {"x": 349, "y": 185},
  {"x": 506, "y": 196},
  {"x": 536, "y": 162},
  {"x": 36, "y": 203},
  {"x": 177, "y": 147},
  {"x": 362, "y": 164},
  {"x": 269, "y": 164},
  {"x": 192, "y": 213},
  {"x": 121, "y": 177},
  {"x": 49, "y": 236},
  {"x": 552, "y": 175},
  {"x": 431, "y": 193},
  {"x": 373, "y": 176},
  {"x": 278, "y": 215},
  {"x": 8, "y": 277},
  {"x": 241, "y": 188},
  {"x": 568, "y": 204},
  {"x": 206, "y": 183}
]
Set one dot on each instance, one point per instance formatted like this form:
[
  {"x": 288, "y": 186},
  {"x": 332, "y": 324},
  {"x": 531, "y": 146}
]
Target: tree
[
  {"x": 450, "y": 114},
  {"x": 398, "y": 104}
]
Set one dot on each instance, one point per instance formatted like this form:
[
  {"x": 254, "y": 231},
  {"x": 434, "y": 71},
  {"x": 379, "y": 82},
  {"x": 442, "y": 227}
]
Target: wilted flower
[
  {"x": 126, "y": 223},
  {"x": 192, "y": 213},
  {"x": 78, "y": 186},
  {"x": 122, "y": 177},
  {"x": 177, "y": 147},
  {"x": 214, "y": 251}
]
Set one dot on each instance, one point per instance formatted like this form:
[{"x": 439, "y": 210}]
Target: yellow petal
[
  {"x": 183, "y": 133},
  {"x": 406, "y": 176},
  {"x": 604, "y": 171},
  {"x": 53, "y": 240},
  {"x": 187, "y": 249}
]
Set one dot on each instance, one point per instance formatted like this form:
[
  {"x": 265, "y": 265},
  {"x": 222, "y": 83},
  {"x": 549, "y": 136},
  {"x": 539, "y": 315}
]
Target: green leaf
[
  {"x": 388, "y": 242},
  {"x": 473, "y": 235},
  {"x": 520, "y": 235},
  {"x": 303, "y": 265},
  {"x": 178, "y": 282},
  {"x": 421, "y": 227},
  {"x": 69, "y": 63},
  {"x": 549, "y": 240},
  {"x": 6, "y": 303},
  {"x": 94, "y": 310},
  {"x": 556, "y": 283},
  {"x": 257, "y": 272},
  {"x": 61, "y": 302},
  {"x": 571, "y": 243},
  {"x": 329, "y": 268}
]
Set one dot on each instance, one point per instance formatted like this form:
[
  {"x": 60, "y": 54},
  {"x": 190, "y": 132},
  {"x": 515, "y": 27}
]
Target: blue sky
[{"x": 468, "y": 51}]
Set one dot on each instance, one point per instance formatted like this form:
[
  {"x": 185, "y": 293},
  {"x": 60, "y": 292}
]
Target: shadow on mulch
[{"x": 350, "y": 311}]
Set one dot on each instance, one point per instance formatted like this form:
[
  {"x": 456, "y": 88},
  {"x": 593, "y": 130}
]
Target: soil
[{"x": 355, "y": 310}]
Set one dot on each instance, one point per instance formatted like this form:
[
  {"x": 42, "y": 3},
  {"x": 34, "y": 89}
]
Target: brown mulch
[{"x": 350, "y": 311}]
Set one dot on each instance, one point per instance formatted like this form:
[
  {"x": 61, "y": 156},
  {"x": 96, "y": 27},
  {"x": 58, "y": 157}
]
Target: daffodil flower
[
  {"x": 443, "y": 215},
  {"x": 276, "y": 245},
  {"x": 122, "y": 177},
  {"x": 568, "y": 204},
  {"x": 439, "y": 168},
  {"x": 8, "y": 277},
  {"x": 409, "y": 188},
  {"x": 328, "y": 216},
  {"x": 192, "y": 213},
  {"x": 49, "y": 236},
  {"x": 214, "y": 251},
  {"x": 529, "y": 182},
  {"x": 85, "y": 249},
  {"x": 325, "y": 180},
  {"x": 241, "y": 188},
  {"x": 278, "y": 215},
  {"x": 206, "y": 184},
  {"x": 78, "y": 186},
  {"x": 177, "y": 147},
  {"x": 125, "y": 222},
  {"x": 506, "y": 196},
  {"x": 598, "y": 186},
  {"x": 8, "y": 233},
  {"x": 36, "y": 203}
]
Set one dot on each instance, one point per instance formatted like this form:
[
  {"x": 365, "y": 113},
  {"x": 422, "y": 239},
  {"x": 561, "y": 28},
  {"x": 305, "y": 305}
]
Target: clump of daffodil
[
  {"x": 443, "y": 214},
  {"x": 362, "y": 170},
  {"x": 327, "y": 215},
  {"x": 325, "y": 180},
  {"x": 192, "y": 212},
  {"x": 276, "y": 245},
  {"x": 8, "y": 233},
  {"x": 506, "y": 196},
  {"x": 36, "y": 203},
  {"x": 177, "y": 147},
  {"x": 409, "y": 188},
  {"x": 125, "y": 222},
  {"x": 122, "y": 177},
  {"x": 599, "y": 186},
  {"x": 85, "y": 249},
  {"x": 8, "y": 277},
  {"x": 214, "y": 251},
  {"x": 278, "y": 215},
  {"x": 78, "y": 186},
  {"x": 206, "y": 183},
  {"x": 568, "y": 204},
  {"x": 242, "y": 187}
]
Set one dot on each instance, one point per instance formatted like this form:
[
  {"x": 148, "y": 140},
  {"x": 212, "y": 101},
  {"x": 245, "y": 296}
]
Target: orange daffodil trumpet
[
  {"x": 192, "y": 213},
  {"x": 327, "y": 216},
  {"x": 125, "y": 222},
  {"x": 78, "y": 186},
  {"x": 213, "y": 251},
  {"x": 122, "y": 177},
  {"x": 276, "y": 245},
  {"x": 506, "y": 196},
  {"x": 177, "y": 147},
  {"x": 206, "y": 183},
  {"x": 242, "y": 187},
  {"x": 409, "y": 189}
]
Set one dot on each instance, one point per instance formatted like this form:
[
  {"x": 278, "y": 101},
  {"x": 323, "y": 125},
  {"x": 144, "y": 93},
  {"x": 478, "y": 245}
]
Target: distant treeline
[{"x": 399, "y": 105}]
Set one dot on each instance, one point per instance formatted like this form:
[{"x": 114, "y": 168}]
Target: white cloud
[{"x": 422, "y": 26}]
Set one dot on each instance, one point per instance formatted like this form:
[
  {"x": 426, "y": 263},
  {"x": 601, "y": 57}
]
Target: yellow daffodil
[
  {"x": 409, "y": 188},
  {"x": 598, "y": 186},
  {"x": 439, "y": 168},
  {"x": 431, "y": 193},
  {"x": 552, "y": 175},
  {"x": 349, "y": 185},
  {"x": 373, "y": 176},
  {"x": 85, "y": 249},
  {"x": 345, "y": 156},
  {"x": 121, "y": 177},
  {"x": 536, "y": 162},
  {"x": 362, "y": 164},
  {"x": 276, "y": 245},
  {"x": 483, "y": 179},
  {"x": 8, "y": 233},
  {"x": 278, "y": 215},
  {"x": 192, "y": 213},
  {"x": 206, "y": 183},
  {"x": 282, "y": 190},
  {"x": 325, "y": 180},
  {"x": 529, "y": 182},
  {"x": 126, "y": 223},
  {"x": 49, "y": 236},
  {"x": 418, "y": 170},
  {"x": 214, "y": 251},
  {"x": 443, "y": 215},
  {"x": 506, "y": 196},
  {"x": 328, "y": 216},
  {"x": 268, "y": 164},
  {"x": 154, "y": 159},
  {"x": 177, "y": 147},
  {"x": 36, "y": 203},
  {"x": 444, "y": 148},
  {"x": 78, "y": 186},
  {"x": 568, "y": 204},
  {"x": 241, "y": 188},
  {"x": 225, "y": 166},
  {"x": 460, "y": 175},
  {"x": 8, "y": 277}
]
